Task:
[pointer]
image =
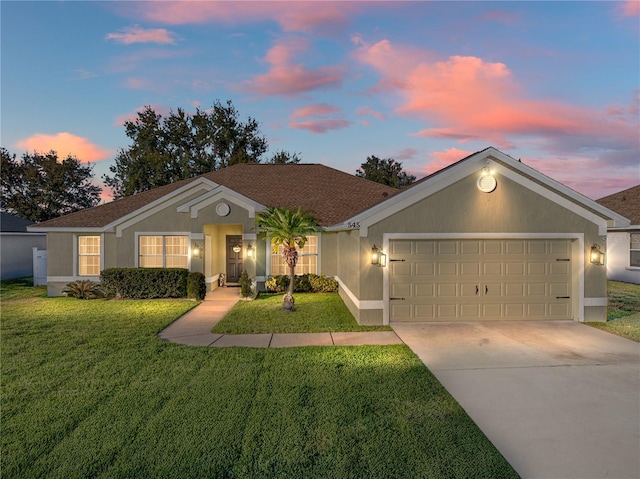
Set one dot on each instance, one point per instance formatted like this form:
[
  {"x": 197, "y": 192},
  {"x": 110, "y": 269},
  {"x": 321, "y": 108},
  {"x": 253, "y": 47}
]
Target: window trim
[
  {"x": 76, "y": 255},
  {"x": 163, "y": 234},
  {"x": 270, "y": 255},
  {"x": 636, "y": 249}
]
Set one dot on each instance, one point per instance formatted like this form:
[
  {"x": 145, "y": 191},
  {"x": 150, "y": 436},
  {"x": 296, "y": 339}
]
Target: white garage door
[{"x": 447, "y": 280}]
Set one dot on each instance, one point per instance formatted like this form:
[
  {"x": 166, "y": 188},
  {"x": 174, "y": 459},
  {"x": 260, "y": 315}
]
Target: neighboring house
[
  {"x": 623, "y": 243},
  {"x": 16, "y": 246},
  {"x": 485, "y": 238}
]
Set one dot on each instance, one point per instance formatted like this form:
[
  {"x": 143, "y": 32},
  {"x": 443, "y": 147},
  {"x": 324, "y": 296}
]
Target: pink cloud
[
  {"x": 136, "y": 34},
  {"x": 286, "y": 77},
  {"x": 314, "y": 110},
  {"x": 442, "y": 159},
  {"x": 471, "y": 98},
  {"x": 291, "y": 16},
  {"x": 368, "y": 111},
  {"x": 593, "y": 177},
  {"x": 405, "y": 154},
  {"x": 630, "y": 8},
  {"x": 64, "y": 144},
  {"x": 320, "y": 126},
  {"x": 446, "y": 133}
]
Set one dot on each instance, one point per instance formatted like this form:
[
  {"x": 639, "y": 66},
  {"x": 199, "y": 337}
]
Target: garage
[{"x": 480, "y": 279}]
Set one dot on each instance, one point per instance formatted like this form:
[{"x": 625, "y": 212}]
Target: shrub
[
  {"x": 323, "y": 284},
  {"x": 83, "y": 289},
  {"x": 196, "y": 286},
  {"x": 145, "y": 283},
  {"x": 245, "y": 285},
  {"x": 303, "y": 284},
  {"x": 277, "y": 284}
]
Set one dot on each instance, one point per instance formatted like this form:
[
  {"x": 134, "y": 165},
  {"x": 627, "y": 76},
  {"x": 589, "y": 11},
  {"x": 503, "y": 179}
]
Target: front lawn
[
  {"x": 315, "y": 313},
  {"x": 623, "y": 312},
  {"x": 88, "y": 390}
]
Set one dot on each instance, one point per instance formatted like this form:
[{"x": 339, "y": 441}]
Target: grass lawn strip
[
  {"x": 315, "y": 313},
  {"x": 623, "y": 312},
  {"x": 89, "y": 391}
]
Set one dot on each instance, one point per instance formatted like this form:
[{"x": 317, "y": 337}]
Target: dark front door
[{"x": 234, "y": 259}]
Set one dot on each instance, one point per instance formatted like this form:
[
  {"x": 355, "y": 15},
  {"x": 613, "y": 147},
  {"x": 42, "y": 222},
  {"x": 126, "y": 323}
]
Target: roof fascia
[
  {"x": 153, "y": 207},
  {"x": 220, "y": 193}
]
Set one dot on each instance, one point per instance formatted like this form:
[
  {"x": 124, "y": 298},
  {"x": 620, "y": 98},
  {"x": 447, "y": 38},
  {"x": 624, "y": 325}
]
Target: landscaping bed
[
  {"x": 315, "y": 313},
  {"x": 90, "y": 391}
]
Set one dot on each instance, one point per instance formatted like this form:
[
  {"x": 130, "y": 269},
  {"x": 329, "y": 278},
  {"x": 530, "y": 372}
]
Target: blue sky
[{"x": 426, "y": 83}]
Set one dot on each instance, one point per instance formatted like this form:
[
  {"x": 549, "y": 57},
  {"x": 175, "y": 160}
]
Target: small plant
[
  {"x": 83, "y": 289},
  {"x": 196, "y": 286},
  {"x": 246, "y": 290}
]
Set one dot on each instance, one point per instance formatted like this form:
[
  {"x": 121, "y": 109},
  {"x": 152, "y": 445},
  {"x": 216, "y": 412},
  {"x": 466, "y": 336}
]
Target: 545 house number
[{"x": 353, "y": 225}]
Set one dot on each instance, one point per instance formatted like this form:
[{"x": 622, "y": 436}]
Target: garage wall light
[
  {"x": 596, "y": 256},
  {"x": 378, "y": 258}
]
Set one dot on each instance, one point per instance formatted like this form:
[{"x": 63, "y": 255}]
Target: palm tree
[{"x": 290, "y": 229}]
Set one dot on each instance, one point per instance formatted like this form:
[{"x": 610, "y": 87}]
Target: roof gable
[{"x": 503, "y": 165}]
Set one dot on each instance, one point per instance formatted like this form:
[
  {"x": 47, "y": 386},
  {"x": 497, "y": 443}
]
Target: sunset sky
[{"x": 555, "y": 84}]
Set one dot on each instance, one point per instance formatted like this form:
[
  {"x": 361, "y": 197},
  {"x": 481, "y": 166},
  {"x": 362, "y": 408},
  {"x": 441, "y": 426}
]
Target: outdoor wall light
[
  {"x": 596, "y": 256},
  {"x": 250, "y": 251},
  {"x": 487, "y": 182},
  {"x": 378, "y": 258},
  {"x": 237, "y": 248},
  {"x": 196, "y": 251}
]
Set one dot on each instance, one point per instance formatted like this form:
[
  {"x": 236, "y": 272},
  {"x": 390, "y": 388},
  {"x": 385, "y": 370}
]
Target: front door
[{"x": 234, "y": 259}]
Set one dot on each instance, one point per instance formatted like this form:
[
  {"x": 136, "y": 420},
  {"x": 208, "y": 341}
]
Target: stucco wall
[
  {"x": 617, "y": 258},
  {"x": 463, "y": 208}
]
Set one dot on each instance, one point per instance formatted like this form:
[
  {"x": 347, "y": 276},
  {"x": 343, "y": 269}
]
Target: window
[
  {"x": 634, "y": 250},
  {"x": 160, "y": 251},
  {"x": 89, "y": 255},
  {"x": 307, "y": 259}
]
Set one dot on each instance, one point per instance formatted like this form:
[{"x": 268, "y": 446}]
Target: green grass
[
  {"x": 88, "y": 390},
  {"x": 623, "y": 312},
  {"x": 315, "y": 313}
]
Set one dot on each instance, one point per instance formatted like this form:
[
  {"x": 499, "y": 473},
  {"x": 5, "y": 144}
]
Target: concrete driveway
[{"x": 558, "y": 399}]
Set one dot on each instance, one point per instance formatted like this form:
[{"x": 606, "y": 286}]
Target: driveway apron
[{"x": 558, "y": 399}]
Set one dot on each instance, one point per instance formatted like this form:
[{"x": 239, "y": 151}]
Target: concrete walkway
[{"x": 194, "y": 329}]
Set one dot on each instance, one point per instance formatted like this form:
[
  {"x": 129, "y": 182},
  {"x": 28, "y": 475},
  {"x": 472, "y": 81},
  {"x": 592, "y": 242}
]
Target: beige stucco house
[{"x": 486, "y": 238}]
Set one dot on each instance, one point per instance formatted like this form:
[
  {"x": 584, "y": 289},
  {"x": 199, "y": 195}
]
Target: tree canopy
[
  {"x": 39, "y": 187},
  {"x": 169, "y": 148},
  {"x": 388, "y": 172}
]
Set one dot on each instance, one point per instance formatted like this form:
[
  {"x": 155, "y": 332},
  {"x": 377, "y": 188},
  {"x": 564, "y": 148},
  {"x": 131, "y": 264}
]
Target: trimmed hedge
[
  {"x": 144, "y": 283},
  {"x": 196, "y": 286},
  {"x": 305, "y": 283}
]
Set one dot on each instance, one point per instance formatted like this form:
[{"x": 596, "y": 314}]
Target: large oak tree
[{"x": 166, "y": 149}]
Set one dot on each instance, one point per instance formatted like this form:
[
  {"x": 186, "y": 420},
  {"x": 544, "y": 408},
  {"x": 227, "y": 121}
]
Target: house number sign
[{"x": 354, "y": 225}]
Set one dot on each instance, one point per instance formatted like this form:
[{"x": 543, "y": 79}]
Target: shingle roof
[
  {"x": 625, "y": 202},
  {"x": 331, "y": 195}
]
